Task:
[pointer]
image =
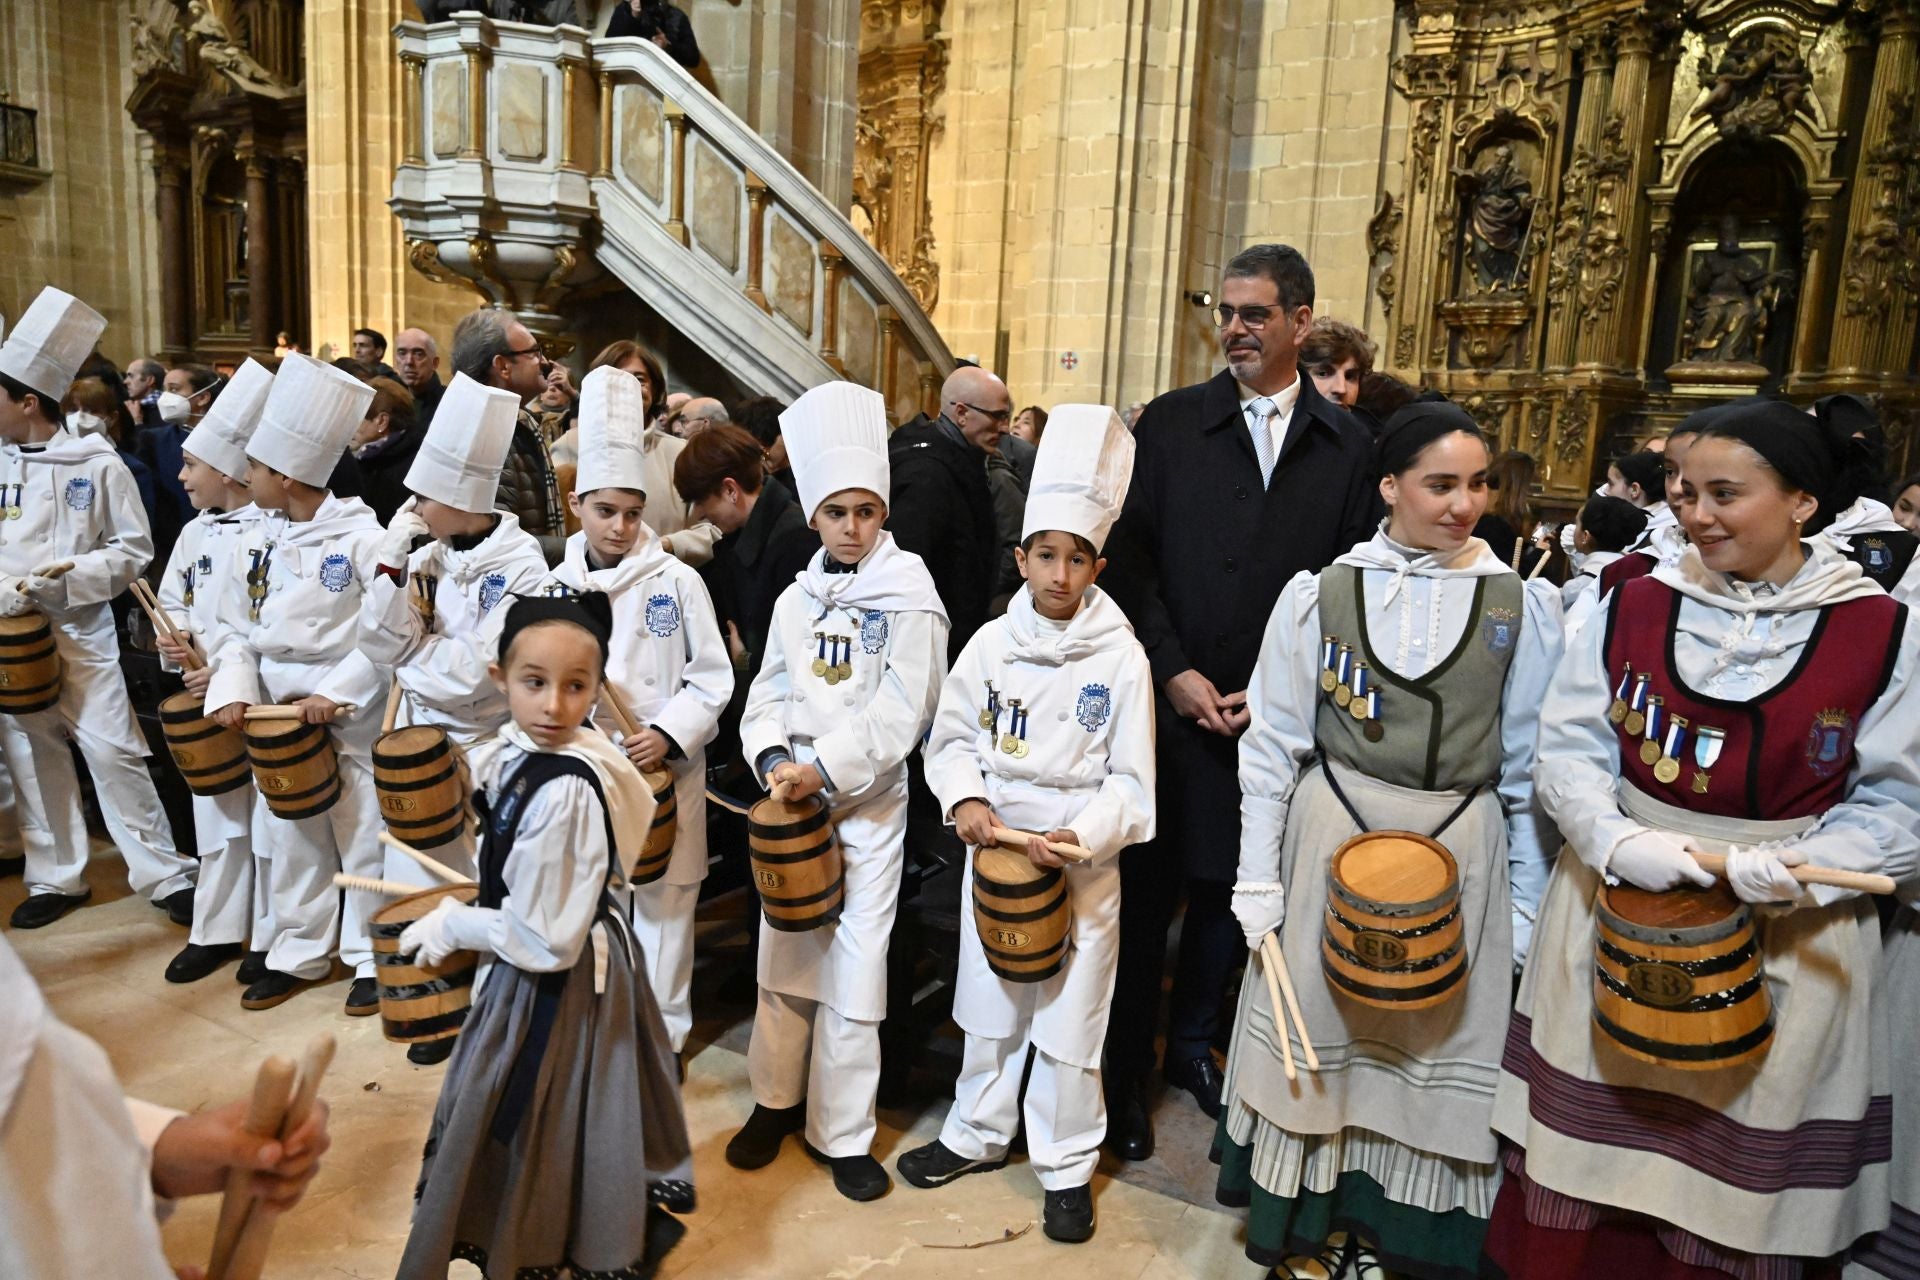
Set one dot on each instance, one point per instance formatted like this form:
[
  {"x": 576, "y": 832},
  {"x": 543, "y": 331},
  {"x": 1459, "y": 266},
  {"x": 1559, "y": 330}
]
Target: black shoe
[
  {"x": 759, "y": 1139},
  {"x": 42, "y": 909},
  {"x": 179, "y": 906},
  {"x": 430, "y": 1053},
  {"x": 1199, "y": 1077},
  {"x": 363, "y": 998},
  {"x": 1129, "y": 1130},
  {"x": 855, "y": 1177},
  {"x": 1069, "y": 1215},
  {"x": 673, "y": 1195},
  {"x": 253, "y": 967},
  {"x": 275, "y": 988},
  {"x": 937, "y": 1164},
  {"x": 12, "y": 867},
  {"x": 195, "y": 961}
]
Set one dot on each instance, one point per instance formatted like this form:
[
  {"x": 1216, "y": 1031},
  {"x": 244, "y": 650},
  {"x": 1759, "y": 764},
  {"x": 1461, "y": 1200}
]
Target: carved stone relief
[
  {"x": 1757, "y": 83},
  {"x": 902, "y": 78}
]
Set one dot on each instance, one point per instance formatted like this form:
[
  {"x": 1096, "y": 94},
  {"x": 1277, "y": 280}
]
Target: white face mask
[
  {"x": 82, "y": 423},
  {"x": 1566, "y": 538},
  {"x": 174, "y": 407}
]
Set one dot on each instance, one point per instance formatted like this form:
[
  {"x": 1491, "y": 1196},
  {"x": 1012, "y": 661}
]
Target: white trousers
[
  {"x": 663, "y": 922},
  {"x": 309, "y": 921},
  {"x": 455, "y": 855},
  {"x": 230, "y": 896},
  {"x": 802, "y": 1050},
  {"x": 1066, "y": 1111}
]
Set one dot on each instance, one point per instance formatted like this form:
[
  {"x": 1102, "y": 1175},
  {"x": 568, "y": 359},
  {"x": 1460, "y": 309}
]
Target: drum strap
[{"x": 1365, "y": 826}]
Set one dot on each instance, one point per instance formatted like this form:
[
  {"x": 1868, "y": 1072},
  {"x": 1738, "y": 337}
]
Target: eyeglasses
[
  {"x": 535, "y": 351},
  {"x": 1001, "y": 416},
  {"x": 1255, "y": 318}
]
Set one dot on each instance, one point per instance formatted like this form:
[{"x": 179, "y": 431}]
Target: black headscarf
[
  {"x": 1412, "y": 427},
  {"x": 1814, "y": 451},
  {"x": 590, "y": 610}
]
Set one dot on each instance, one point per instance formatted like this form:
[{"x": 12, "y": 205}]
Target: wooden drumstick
[
  {"x": 367, "y": 884},
  {"x": 250, "y": 1252},
  {"x": 440, "y": 869},
  {"x": 781, "y": 789},
  {"x": 1859, "y": 881},
  {"x": 393, "y": 708},
  {"x": 272, "y": 1088},
  {"x": 287, "y": 711},
  {"x": 1270, "y": 946},
  {"x": 58, "y": 570},
  {"x": 1071, "y": 852},
  {"x": 163, "y": 623},
  {"x": 1279, "y": 1010},
  {"x": 621, "y": 712}
]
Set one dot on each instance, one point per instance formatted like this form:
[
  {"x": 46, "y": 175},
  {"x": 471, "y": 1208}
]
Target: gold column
[
  {"x": 830, "y": 260},
  {"x": 756, "y": 237},
  {"x": 1572, "y": 211},
  {"x": 413, "y": 122},
  {"x": 1605, "y": 341},
  {"x": 603, "y": 163},
  {"x": 475, "y": 143},
  {"x": 677, "y": 163}
]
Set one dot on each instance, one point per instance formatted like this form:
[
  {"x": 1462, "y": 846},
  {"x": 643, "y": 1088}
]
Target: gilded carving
[
  {"x": 1423, "y": 140},
  {"x": 219, "y": 49},
  {"x": 1757, "y": 84},
  {"x": 1883, "y": 260},
  {"x": 902, "y": 77},
  {"x": 1571, "y": 426},
  {"x": 1733, "y": 289},
  {"x": 1499, "y": 200},
  {"x": 1425, "y": 75},
  {"x": 159, "y": 42},
  {"x": 1383, "y": 247}
]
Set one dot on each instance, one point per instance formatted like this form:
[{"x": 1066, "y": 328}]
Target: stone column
[
  {"x": 262, "y": 249},
  {"x": 176, "y": 255}
]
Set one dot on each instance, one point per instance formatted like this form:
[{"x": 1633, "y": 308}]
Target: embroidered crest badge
[
  {"x": 336, "y": 573},
  {"x": 663, "y": 615},
  {"x": 1879, "y": 555},
  {"x": 873, "y": 632},
  {"x": 1094, "y": 707},
  {"x": 1829, "y": 742},
  {"x": 79, "y": 493},
  {"x": 492, "y": 588},
  {"x": 1498, "y": 628}
]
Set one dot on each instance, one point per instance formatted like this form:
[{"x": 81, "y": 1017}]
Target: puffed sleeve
[
  {"x": 691, "y": 717},
  {"x": 1578, "y": 769},
  {"x": 555, "y": 875},
  {"x": 763, "y": 724},
  {"x": 1121, "y": 813},
  {"x": 1532, "y": 842},
  {"x": 888, "y": 728},
  {"x": 953, "y": 744},
  {"x": 1281, "y": 702}
]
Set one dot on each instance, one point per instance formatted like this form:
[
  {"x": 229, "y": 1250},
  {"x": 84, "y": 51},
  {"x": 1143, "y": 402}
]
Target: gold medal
[
  {"x": 1327, "y": 682},
  {"x": 1649, "y": 752},
  {"x": 15, "y": 512},
  {"x": 1020, "y": 749},
  {"x": 1357, "y": 708},
  {"x": 1700, "y": 781},
  {"x": 833, "y": 675},
  {"x": 1342, "y": 695},
  {"x": 1633, "y": 724},
  {"x": 819, "y": 666},
  {"x": 1617, "y": 713},
  {"x": 1667, "y": 770},
  {"x": 986, "y": 719},
  {"x": 1374, "y": 731},
  {"x": 1008, "y": 743},
  {"x": 846, "y": 670}
]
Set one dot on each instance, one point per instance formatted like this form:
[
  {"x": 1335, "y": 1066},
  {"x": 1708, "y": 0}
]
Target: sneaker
[
  {"x": 276, "y": 988},
  {"x": 759, "y": 1139},
  {"x": 937, "y": 1164},
  {"x": 179, "y": 906},
  {"x": 858, "y": 1177},
  {"x": 363, "y": 998},
  {"x": 253, "y": 967},
  {"x": 42, "y": 909},
  {"x": 195, "y": 961},
  {"x": 1068, "y": 1217},
  {"x": 430, "y": 1053}
]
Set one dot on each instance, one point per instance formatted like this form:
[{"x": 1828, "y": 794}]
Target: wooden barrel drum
[
  {"x": 29, "y": 664},
  {"x": 1392, "y": 937},
  {"x": 294, "y": 767},
  {"x": 420, "y": 1002},
  {"x": 421, "y": 778},
  {"x": 211, "y": 758},
  {"x": 658, "y": 850},
  {"x": 797, "y": 866},
  {"x": 1677, "y": 978},
  {"x": 1024, "y": 914}
]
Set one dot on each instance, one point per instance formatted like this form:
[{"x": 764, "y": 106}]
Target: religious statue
[
  {"x": 219, "y": 50},
  {"x": 158, "y": 44},
  {"x": 1500, "y": 204},
  {"x": 1758, "y": 84},
  {"x": 1730, "y": 297}
]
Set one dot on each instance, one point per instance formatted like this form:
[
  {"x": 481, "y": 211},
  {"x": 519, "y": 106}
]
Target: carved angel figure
[{"x": 221, "y": 51}]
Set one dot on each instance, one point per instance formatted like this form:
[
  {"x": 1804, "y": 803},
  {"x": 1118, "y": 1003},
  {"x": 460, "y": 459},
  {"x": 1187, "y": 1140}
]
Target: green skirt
[{"x": 1414, "y": 1242}]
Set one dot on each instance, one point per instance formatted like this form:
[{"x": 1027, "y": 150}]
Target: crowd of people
[{"x": 1556, "y": 869}]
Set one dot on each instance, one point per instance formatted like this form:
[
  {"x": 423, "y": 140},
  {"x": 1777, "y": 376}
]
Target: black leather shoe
[
  {"x": 1129, "y": 1130},
  {"x": 937, "y": 1164},
  {"x": 1069, "y": 1215},
  {"x": 856, "y": 1177},
  {"x": 1199, "y": 1077},
  {"x": 195, "y": 961},
  {"x": 253, "y": 967},
  {"x": 673, "y": 1194},
  {"x": 275, "y": 988},
  {"x": 430, "y": 1053},
  {"x": 12, "y": 867},
  {"x": 759, "y": 1139},
  {"x": 363, "y": 998},
  {"x": 179, "y": 906},
  {"x": 42, "y": 909}
]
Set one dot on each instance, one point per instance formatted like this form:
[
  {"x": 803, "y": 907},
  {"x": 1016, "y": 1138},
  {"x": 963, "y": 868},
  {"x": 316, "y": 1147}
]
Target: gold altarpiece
[{"x": 1615, "y": 213}]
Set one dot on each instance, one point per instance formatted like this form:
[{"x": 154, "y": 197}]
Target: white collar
[{"x": 1283, "y": 399}]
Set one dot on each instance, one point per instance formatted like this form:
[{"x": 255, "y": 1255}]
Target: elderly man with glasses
[{"x": 496, "y": 350}]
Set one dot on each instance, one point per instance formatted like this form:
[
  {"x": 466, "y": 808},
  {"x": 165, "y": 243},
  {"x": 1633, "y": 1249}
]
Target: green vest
[{"x": 1438, "y": 733}]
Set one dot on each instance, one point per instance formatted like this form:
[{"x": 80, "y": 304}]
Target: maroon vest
[
  {"x": 1634, "y": 564},
  {"x": 1786, "y": 753}
]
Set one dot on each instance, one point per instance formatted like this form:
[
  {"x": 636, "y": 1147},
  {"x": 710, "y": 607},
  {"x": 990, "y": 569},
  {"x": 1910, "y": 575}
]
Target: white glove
[
  {"x": 451, "y": 926},
  {"x": 1260, "y": 908},
  {"x": 49, "y": 593},
  {"x": 13, "y": 600},
  {"x": 1656, "y": 861},
  {"x": 1760, "y": 875},
  {"x": 397, "y": 545}
]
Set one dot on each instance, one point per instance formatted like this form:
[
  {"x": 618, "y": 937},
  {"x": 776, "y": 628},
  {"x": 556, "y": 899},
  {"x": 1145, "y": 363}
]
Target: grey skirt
[{"x": 559, "y": 1126}]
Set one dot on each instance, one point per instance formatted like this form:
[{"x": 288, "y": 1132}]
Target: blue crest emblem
[
  {"x": 1094, "y": 707},
  {"x": 1879, "y": 555},
  {"x": 873, "y": 632},
  {"x": 492, "y": 587},
  {"x": 1829, "y": 742},
  {"x": 557, "y": 590},
  {"x": 1499, "y": 628},
  {"x": 336, "y": 573},
  {"x": 663, "y": 615},
  {"x": 79, "y": 493}
]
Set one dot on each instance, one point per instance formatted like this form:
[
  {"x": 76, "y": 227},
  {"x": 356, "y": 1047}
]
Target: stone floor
[{"x": 191, "y": 1046}]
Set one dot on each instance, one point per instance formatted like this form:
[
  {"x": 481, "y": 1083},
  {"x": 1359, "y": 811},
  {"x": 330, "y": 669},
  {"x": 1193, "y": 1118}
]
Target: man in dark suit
[{"x": 1239, "y": 484}]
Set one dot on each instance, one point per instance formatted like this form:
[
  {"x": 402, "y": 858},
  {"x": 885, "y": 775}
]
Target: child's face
[
  {"x": 443, "y": 522},
  {"x": 268, "y": 486},
  {"x": 849, "y": 524},
  {"x": 551, "y": 679},
  {"x": 1058, "y": 572},
  {"x": 611, "y": 520},
  {"x": 205, "y": 486}
]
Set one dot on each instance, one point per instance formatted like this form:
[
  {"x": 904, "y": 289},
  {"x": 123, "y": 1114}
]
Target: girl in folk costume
[
  {"x": 1045, "y": 724},
  {"x": 69, "y": 502},
  {"x": 1398, "y": 689},
  {"x": 1865, "y": 532},
  {"x": 559, "y": 1135},
  {"x": 668, "y": 665},
  {"x": 854, "y": 661},
  {"x": 294, "y": 614},
  {"x": 230, "y": 907},
  {"x": 1756, "y": 700},
  {"x": 1664, "y": 541}
]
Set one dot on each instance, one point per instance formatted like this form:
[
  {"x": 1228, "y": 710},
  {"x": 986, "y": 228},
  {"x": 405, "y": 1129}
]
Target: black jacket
[
  {"x": 426, "y": 400},
  {"x": 658, "y": 19},
  {"x": 942, "y": 511},
  {"x": 1198, "y": 560},
  {"x": 529, "y": 490},
  {"x": 383, "y": 470},
  {"x": 749, "y": 570}
]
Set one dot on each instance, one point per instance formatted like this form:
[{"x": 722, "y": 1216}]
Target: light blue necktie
[{"x": 1262, "y": 410}]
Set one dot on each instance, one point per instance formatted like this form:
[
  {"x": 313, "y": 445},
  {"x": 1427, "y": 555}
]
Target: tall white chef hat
[
  {"x": 837, "y": 439},
  {"x": 220, "y": 438},
  {"x": 460, "y": 459},
  {"x": 308, "y": 420},
  {"x": 50, "y": 342},
  {"x": 1081, "y": 474},
  {"x": 613, "y": 420}
]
